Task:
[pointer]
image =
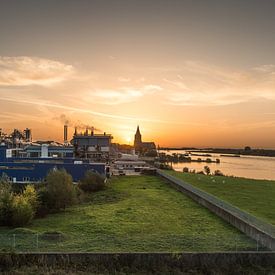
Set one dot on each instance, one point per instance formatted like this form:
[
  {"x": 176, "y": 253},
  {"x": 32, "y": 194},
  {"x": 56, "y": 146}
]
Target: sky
[{"x": 189, "y": 72}]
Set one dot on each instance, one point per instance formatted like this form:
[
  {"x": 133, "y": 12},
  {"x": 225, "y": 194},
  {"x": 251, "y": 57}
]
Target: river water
[{"x": 254, "y": 167}]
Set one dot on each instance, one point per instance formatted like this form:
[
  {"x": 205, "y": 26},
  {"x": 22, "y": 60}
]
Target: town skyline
[{"x": 186, "y": 73}]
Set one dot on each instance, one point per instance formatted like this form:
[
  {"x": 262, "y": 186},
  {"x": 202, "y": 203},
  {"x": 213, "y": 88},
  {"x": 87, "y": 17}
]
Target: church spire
[
  {"x": 138, "y": 140},
  {"x": 138, "y": 132}
]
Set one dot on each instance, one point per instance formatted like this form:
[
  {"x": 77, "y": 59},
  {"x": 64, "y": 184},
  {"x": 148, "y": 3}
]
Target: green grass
[
  {"x": 256, "y": 197},
  {"x": 138, "y": 213}
]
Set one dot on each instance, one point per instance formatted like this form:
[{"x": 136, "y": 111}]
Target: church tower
[{"x": 138, "y": 140}]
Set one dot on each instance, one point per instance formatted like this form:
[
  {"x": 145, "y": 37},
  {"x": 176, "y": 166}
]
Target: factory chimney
[
  {"x": 28, "y": 134},
  {"x": 65, "y": 134}
]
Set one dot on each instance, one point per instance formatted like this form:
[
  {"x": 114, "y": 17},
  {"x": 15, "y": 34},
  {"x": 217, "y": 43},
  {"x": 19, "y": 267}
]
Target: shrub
[
  {"x": 218, "y": 173},
  {"x": 43, "y": 197},
  {"x": 31, "y": 196},
  {"x": 6, "y": 201},
  {"x": 92, "y": 182},
  {"x": 59, "y": 192},
  {"x": 185, "y": 170},
  {"x": 22, "y": 211},
  {"x": 207, "y": 170}
]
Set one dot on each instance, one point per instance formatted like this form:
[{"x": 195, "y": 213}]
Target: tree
[
  {"x": 22, "y": 211},
  {"x": 6, "y": 200},
  {"x": 30, "y": 195},
  {"x": 207, "y": 170},
  {"x": 92, "y": 182},
  {"x": 60, "y": 190}
]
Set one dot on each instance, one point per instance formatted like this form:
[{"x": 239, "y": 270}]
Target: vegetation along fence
[
  {"x": 260, "y": 231},
  {"x": 44, "y": 242}
]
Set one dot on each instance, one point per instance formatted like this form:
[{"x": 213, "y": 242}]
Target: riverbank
[{"x": 256, "y": 197}]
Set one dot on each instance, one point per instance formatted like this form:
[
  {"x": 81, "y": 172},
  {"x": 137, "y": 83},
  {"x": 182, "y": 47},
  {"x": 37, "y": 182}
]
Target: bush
[
  {"x": 92, "y": 182},
  {"x": 16, "y": 210},
  {"x": 185, "y": 170},
  {"x": 59, "y": 191},
  {"x": 6, "y": 201},
  {"x": 43, "y": 197},
  {"x": 218, "y": 173},
  {"x": 22, "y": 211},
  {"x": 207, "y": 170},
  {"x": 31, "y": 196}
]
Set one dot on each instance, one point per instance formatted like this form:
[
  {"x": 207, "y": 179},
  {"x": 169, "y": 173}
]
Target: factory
[
  {"x": 35, "y": 169},
  {"x": 93, "y": 146},
  {"x": 24, "y": 160}
]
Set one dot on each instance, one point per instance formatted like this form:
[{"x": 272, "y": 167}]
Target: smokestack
[
  {"x": 75, "y": 131},
  {"x": 65, "y": 134},
  {"x": 28, "y": 134}
]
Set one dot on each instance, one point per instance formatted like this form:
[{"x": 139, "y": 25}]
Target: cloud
[
  {"x": 80, "y": 110},
  {"x": 24, "y": 70},
  {"x": 111, "y": 97},
  {"x": 208, "y": 85},
  {"x": 266, "y": 69},
  {"x": 124, "y": 94},
  {"x": 124, "y": 79}
]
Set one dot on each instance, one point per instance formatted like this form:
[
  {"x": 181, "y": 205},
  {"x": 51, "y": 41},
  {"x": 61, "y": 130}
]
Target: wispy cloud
[
  {"x": 206, "y": 85},
  {"x": 124, "y": 94},
  {"x": 95, "y": 113},
  {"x": 124, "y": 79},
  {"x": 24, "y": 70}
]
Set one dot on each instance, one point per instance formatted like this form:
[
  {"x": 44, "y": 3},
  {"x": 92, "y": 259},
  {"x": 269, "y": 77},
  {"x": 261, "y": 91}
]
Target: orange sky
[{"x": 188, "y": 74}]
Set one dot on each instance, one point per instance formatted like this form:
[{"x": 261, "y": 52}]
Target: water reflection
[{"x": 255, "y": 167}]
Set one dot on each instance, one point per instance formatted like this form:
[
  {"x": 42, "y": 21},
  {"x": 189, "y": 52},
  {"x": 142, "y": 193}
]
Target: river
[{"x": 254, "y": 167}]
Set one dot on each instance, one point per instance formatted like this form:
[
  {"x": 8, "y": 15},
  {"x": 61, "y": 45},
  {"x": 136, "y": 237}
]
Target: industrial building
[
  {"x": 35, "y": 169},
  {"x": 93, "y": 146},
  {"x": 24, "y": 160}
]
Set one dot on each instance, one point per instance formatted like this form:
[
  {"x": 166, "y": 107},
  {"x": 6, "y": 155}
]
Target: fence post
[
  {"x": 257, "y": 242},
  {"x": 13, "y": 240},
  {"x": 37, "y": 241}
]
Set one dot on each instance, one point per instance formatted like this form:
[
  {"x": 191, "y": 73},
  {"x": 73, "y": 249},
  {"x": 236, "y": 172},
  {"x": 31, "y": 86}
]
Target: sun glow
[{"x": 128, "y": 139}]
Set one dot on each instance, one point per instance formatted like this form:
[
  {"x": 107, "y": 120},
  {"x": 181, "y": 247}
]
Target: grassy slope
[
  {"x": 253, "y": 196},
  {"x": 137, "y": 214}
]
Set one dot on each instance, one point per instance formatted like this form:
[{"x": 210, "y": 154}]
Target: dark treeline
[{"x": 245, "y": 151}]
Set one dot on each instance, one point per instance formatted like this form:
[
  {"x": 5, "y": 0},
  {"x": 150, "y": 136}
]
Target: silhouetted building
[{"x": 143, "y": 147}]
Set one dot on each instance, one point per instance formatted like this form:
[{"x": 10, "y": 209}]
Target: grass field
[
  {"x": 256, "y": 197},
  {"x": 138, "y": 213}
]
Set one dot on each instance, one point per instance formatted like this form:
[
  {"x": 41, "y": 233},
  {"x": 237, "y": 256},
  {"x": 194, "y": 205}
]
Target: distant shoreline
[{"x": 251, "y": 152}]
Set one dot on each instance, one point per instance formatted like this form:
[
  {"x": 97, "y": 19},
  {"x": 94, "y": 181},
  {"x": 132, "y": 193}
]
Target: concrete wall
[{"x": 258, "y": 230}]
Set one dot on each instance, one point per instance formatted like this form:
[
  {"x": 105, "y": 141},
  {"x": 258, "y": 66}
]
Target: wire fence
[{"x": 45, "y": 242}]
